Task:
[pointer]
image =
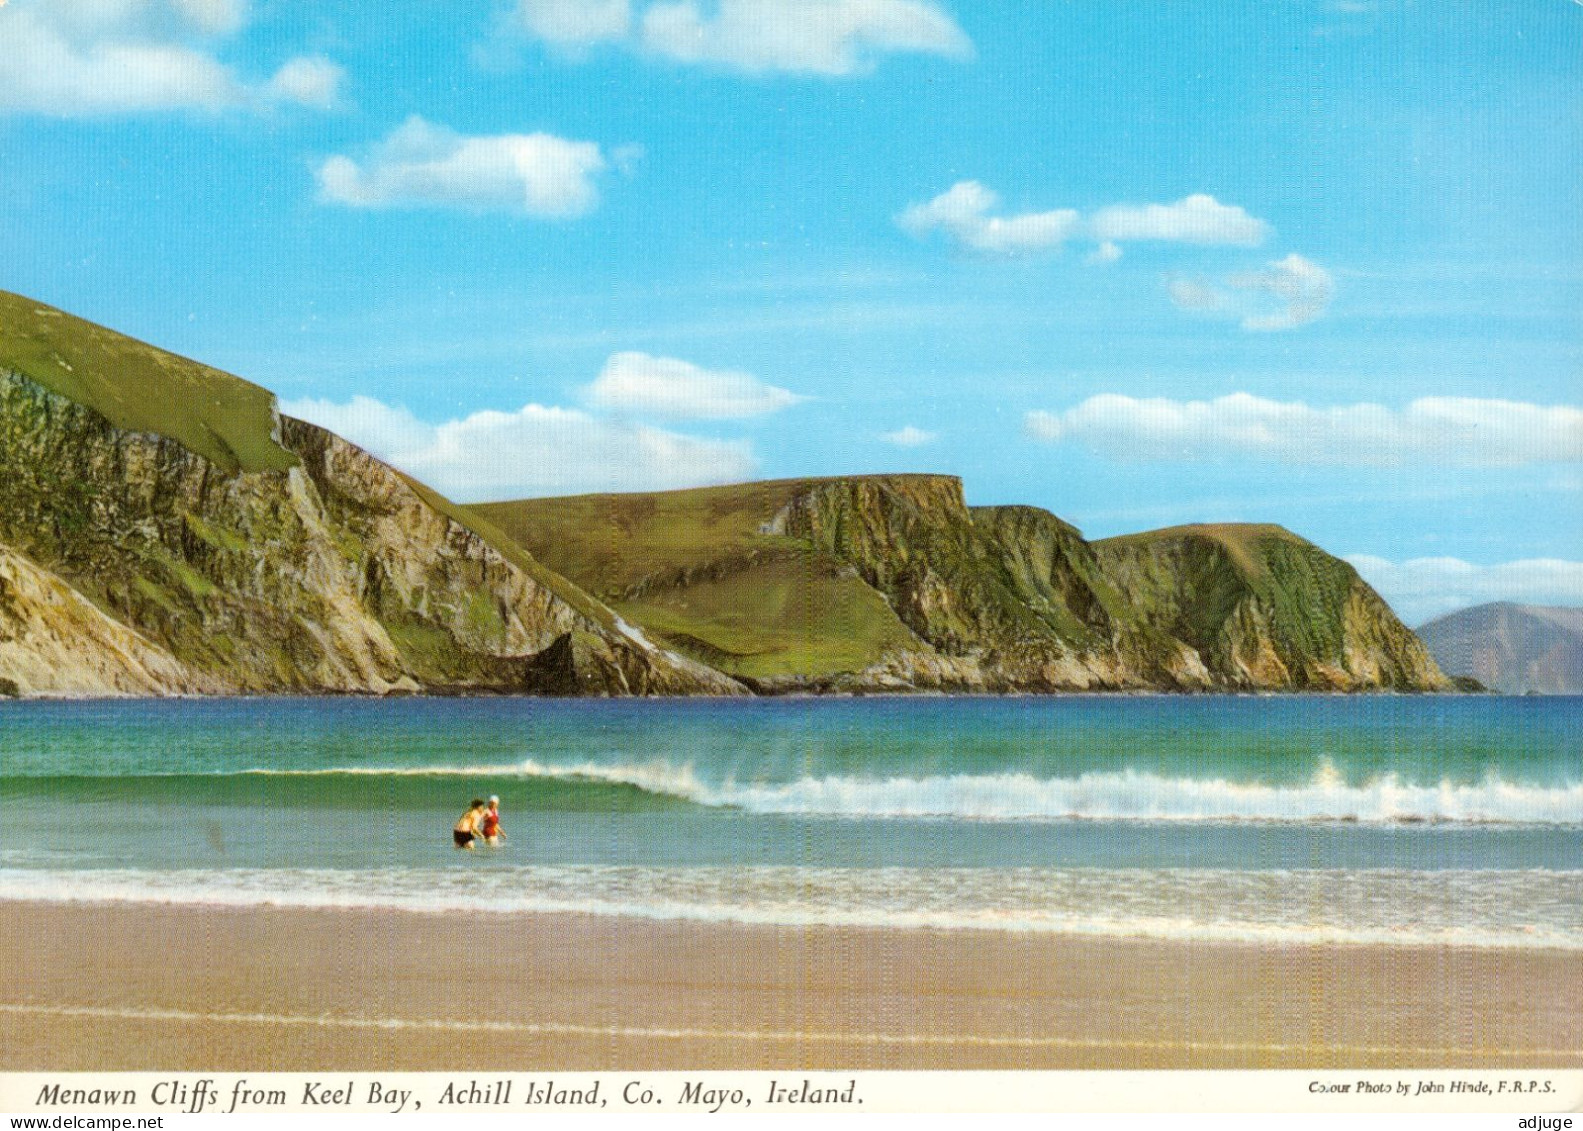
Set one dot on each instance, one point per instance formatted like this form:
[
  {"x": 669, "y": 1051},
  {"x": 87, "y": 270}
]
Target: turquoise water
[{"x": 1418, "y": 819}]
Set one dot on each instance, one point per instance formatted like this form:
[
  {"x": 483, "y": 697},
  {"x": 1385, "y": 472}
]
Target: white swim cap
[{"x": 493, "y": 800}]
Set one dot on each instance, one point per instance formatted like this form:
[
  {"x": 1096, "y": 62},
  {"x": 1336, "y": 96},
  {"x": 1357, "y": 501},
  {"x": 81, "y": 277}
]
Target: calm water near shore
[{"x": 1351, "y": 819}]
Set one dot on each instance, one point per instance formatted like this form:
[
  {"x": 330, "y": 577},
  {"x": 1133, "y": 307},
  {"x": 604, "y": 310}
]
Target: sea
[{"x": 1414, "y": 820}]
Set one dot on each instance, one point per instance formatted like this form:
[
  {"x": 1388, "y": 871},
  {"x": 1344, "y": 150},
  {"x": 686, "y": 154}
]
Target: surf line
[{"x": 559, "y": 1028}]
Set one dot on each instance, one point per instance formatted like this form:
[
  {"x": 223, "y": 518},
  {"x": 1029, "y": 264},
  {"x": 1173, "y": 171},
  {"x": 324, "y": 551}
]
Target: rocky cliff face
[
  {"x": 335, "y": 574},
  {"x": 1007, "y": 598},
  {"x": 163, "y": 530},
  {"x": 1263, "y": 608},
  {"x": 53, "y": 641},
  {"x": 984, "y": 599}
]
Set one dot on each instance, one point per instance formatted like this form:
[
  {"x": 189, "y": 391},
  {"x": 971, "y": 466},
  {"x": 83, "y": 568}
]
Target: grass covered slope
[
  {"x": 263, "y": 554},
  {"x": 806, "y": 579},
  {"x": 893, "y": 580},
  {"x": 1265, "y": 608},
  {"x": 704, "y": 571},
  {"x": 140, "y": 388}
]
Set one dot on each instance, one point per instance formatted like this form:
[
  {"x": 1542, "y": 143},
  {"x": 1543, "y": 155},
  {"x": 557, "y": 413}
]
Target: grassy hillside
[
  {"x": 264, "y": 554},
  {"x": 700, "y": 570},
  {"x": 1190, "y": 581},
  {"x": 617, "y": 541},
  {"x": 156, "y": 487},
  {"x": 140, "y": 388},
  {"x": 813, "y": 577},
  {"x": 1261, "y": 604}
]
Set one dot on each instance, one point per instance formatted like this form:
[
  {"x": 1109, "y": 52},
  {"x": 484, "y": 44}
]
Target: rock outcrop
[
  {"x": 316, "y": 568},
  {"x": 53, "y": 641},
  {"x": 1007, "y": 598},
  {"x": 163, "y": 530}
]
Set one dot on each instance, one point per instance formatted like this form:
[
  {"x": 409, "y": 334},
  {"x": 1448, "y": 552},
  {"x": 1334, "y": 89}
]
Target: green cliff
[
  {"x": 1263, "y": 608},
  {"x": 164, "y": 530},
  {"x": 894, "y": 583},
  {"x": 253, "y": 553}
]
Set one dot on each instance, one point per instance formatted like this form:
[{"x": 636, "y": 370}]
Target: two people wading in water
[{"x": 481, "y": 823}]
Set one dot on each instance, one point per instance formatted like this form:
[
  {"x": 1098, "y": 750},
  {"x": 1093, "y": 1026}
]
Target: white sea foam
[
  {"x": 1484, "y": 908},
  {"x": 1114, "y": 795},
  {"x": 1124, "y": 795}
]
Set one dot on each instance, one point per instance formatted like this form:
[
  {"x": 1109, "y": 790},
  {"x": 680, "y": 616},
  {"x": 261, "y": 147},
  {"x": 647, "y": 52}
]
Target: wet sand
[{"x": 154, "y": 987}]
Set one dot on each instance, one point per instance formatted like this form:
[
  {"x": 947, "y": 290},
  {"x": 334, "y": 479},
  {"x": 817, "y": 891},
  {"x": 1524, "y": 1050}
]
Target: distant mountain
[
  {"x": 164, "y": 530},
  {"x": 1512, "y": 648}
]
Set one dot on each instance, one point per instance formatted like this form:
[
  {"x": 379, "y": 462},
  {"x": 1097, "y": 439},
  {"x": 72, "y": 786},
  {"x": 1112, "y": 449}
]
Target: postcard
[{"x": 866, "y": 553}]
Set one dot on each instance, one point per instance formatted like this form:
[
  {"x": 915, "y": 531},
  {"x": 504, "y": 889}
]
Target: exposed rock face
[
  {"x": 1264, "y": 609},
  {"x": 989, "y": 598},
  {"x": 333, "y": 575},
  {"x": 53, "y": 641},
  {"x": 1006, "y": 598},
  {"x": 1517, "y": 649},
  {"x": 163, "y": 530}
]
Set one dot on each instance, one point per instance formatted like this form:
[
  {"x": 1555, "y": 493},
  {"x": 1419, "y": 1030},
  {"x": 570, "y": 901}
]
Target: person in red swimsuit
[{"x": 491, "y": 824}]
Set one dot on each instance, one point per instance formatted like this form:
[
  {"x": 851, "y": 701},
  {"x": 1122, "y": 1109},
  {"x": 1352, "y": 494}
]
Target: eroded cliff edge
[
  {"x": 893, "y": 583},
  {"x": 132, "y": 564},
  {"x": 164, "y": 531}
]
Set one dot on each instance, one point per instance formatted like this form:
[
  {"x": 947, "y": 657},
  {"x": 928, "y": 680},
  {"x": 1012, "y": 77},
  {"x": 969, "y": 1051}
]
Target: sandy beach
[{"x": 137, "y": 986}]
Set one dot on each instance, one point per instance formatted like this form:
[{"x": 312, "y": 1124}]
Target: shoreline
[
  {"x": 118, "y": 986},
  {"x": 777, "y": 696},
  {"x": 1276, "y": 937},
  {"x": 766, "y": 697}
]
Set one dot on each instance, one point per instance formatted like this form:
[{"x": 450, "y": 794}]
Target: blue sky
[{"x": 1311, "y": 263}]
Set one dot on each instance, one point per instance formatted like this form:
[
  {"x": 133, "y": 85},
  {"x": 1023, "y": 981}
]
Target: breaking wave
[{"x": 1125, "y": 795}]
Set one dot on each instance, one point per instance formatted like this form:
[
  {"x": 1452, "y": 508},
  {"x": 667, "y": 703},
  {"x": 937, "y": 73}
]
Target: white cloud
[
  {"x": 633, "y": 382},
  {"x": 218, "y": 17},
  {"x": 820, "y": 37},
  {"x": 1299, "y": 289},
  {"x": 308, "y": 80},
  {"x": 1424, "y": 588},
  {"x": 1304, "y": 287},
  {"x": 1106, "y": 252},
  {"x": 1432, "y": 431},
  {"x": 962, "y": 212},
  {"x": 390, "y": 433},
  {"x": 421, "y": 164},
  {"x": 537, "y": 450},
  {"x": 1195, "y": 294},
  {"x": 828, "y": 37},
  {"x": 1195, "y": 219},
  {"x": 575, "y": 23},
  {"x": 909, "y": 437},
  {"x": 79, "y": 58}
]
